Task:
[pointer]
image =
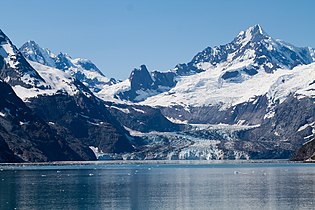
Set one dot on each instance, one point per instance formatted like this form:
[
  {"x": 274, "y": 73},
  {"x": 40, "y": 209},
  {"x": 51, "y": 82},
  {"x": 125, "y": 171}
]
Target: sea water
[{"x": 158, "y": 185}]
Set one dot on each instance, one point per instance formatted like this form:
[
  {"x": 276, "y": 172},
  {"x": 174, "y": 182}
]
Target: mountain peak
[
  {"x": 254, "y": 34},
  {"x": 142, "y": 70},
  {"x": 30, "y": 42},
  {"x": 256, "y": 29},
  {"x": 30, "y": 46},
  {"x": 32, "y": 51},
  {"x": 140, "y": 78}
]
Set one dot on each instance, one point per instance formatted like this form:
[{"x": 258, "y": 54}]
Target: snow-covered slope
[
  {"x": 56, "y": 80},
  {"x": 208, "y": 89},
  {"x": 31, "y": 79},
  {"x": 15, "y": 70},
  {"x": 108, "y": 93},
  {"x": 83, "y": 69}
]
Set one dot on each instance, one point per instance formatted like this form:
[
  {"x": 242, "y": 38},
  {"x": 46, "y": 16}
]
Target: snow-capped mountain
[
  {"x": 58, "y": 81},
  {"x": 251, "y": 65},
  {"x": 61, "y": 106},
  {"x": 38, "y": 80},
  {"x": 252, "y": 52},
  {"x": 260, "y": 69},
  {"x": 83, "y": 69}
]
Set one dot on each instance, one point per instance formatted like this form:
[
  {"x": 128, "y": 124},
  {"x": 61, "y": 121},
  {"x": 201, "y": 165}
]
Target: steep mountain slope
[
  {"x": 15, "y": 70},
  {"x": 26, "y": 137},
  {"x": 142, "y": 118},
  {"x": 83, "y": 69},
  {"x": 305, "y": 153},
  {"x": 72, "y": 105}
]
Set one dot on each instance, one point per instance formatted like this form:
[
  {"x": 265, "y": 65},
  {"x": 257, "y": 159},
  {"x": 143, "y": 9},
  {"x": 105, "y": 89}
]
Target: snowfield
[
  {"x": 206, "y": 88},
  {"x": 55, "y": 79}
]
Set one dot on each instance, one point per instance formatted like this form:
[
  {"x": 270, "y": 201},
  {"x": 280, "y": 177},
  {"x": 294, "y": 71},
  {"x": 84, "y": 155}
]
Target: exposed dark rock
[
  {"x": 2, "y": 63},
  {"x": 26, "y": 137},
  {"x": 142, "y": 118},
  {"x": 62, "y": 62},
  {"x": 283, "y": 131},
  {"x": 6, "y": 154},
  {"x": 306, "y": 152},
  {"x": 85, "y": 118},
  {"x": 252, "y": 113},
  {"x": 230, "y": 75},
  {"x": 250, "y": 71}
]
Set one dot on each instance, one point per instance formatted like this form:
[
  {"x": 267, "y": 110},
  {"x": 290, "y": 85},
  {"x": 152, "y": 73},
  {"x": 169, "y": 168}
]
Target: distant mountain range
[
  {"x": 82, "y": 69},
  {"x": 248, "y": 99}
]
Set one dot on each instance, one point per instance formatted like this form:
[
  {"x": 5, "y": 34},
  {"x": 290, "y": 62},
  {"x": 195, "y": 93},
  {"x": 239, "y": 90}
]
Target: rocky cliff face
[
  {"x": 143, "y": 118},
  {"x": 86, "y": 119},
  {"x": 26, "y": 137},
  {"x": 305, "y": 153}
]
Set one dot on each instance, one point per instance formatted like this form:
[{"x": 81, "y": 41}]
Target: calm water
[{"x": 157, "y": 185}]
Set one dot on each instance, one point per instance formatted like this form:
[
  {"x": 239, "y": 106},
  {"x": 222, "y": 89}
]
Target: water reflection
[{"x": 232, "y": 187}]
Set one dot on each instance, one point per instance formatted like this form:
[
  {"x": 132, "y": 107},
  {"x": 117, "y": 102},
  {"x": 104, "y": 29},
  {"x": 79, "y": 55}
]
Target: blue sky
[{"x": 119, "y": 35}]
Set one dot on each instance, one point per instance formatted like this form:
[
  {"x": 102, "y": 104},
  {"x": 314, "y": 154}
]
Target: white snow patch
[
  {"x": 138, "y": 110},
  {"x": 303, "y": 127},
  {"x": 97, "y": 152},
  {"x": 121, "y": 109},
  {"x": 24, "y": 123},
  {"x": 57, "y": 80},
  {"x": 108, "y": 92},
  {"x": 177, "y": 121}
]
